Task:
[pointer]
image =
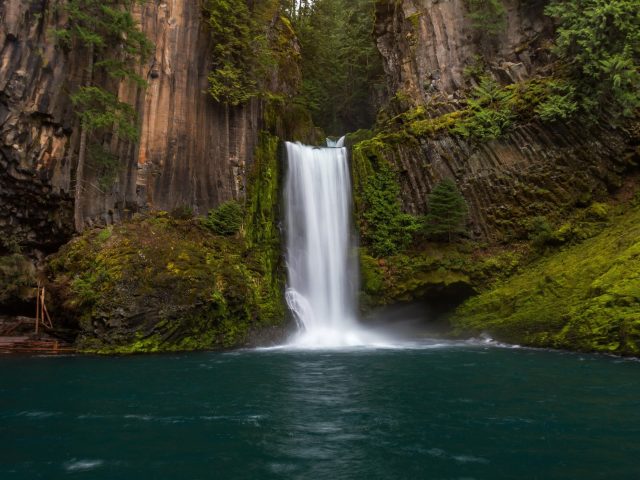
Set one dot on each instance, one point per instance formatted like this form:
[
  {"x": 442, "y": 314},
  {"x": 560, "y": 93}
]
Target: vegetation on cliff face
[
  {"x": 170, "y": 282},
  {"x": 585, "y": 296},
  {"x": 447, "y": 211},
  {"x": 113, "y": 44},
  {"x": 256, "y": 53},
  {"x": 341, "y": 67},
  {"x": 241, "y": 55},
  {"x": 599, "y": 41},
  {"x": 384, "y": 228},
  {"x": 489, "y": 111}
]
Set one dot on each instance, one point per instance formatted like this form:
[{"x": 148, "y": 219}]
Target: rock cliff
[
  {"x": 427, "y": 44},
  {"x": 192, "y": 152},
  {"x": 430, "y": 51}
]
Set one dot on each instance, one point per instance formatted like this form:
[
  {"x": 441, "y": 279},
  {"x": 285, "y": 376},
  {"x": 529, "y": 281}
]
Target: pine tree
[
  {"x": 113, "y": 42},
  {"x": 447, "y": 212}
]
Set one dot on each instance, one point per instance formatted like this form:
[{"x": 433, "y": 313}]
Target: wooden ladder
[{"x": 42, "y": 314}]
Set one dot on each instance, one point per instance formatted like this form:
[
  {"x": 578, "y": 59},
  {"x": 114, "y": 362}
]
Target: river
[{"x": 465, "y": 410}]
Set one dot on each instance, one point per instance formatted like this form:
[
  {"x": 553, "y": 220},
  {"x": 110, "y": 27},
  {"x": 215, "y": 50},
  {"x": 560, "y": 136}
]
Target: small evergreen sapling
[
  {"x": 226, "y": 219},
  {"x": 447, "y": 212}
]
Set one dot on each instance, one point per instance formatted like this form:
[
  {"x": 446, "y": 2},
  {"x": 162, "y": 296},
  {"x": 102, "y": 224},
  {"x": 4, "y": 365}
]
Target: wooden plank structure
[
  {"x": 38, "y": 342},
  {"x": 34, "y": 345}
]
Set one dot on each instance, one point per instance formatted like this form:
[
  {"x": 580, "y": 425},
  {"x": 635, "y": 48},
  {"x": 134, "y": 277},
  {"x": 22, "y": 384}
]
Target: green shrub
[
  {"x": 226, "y": 219},
  {"x": 387, "y": 229},
  {"x": 600, "y": 42},
  {"x": 557, "y": 107},
  {"x": 183, "y": 212},
  {"x": 447, "y": 212},
  {"x": 489, "y": 114},
  {"x": 540, "y": 232}
]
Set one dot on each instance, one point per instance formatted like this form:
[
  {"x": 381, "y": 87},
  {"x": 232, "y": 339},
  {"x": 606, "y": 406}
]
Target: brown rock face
[
  {"x": 535, "y": 169},
  {"x": 427, "y": 44},
  {"x": 192, "y": 152},
  {"x": 35, "y": 128}
]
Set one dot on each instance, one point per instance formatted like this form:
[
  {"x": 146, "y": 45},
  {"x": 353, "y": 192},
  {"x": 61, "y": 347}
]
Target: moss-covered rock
[
  {"x": 433, "y": 271},
  {"x": 585, "y": 296},
  {"x": 17, "y": 280},
  {"x": 160, "y": 284}
]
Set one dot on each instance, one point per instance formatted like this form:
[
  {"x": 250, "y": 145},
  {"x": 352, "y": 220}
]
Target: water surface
[{"x": 456, "y": 411}]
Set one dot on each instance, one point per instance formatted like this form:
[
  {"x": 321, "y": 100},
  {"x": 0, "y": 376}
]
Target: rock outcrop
[
  {"x": 429, "y": 48},
  {"x": 192, "y": 152},
  {"x": 427, "y": 44}
]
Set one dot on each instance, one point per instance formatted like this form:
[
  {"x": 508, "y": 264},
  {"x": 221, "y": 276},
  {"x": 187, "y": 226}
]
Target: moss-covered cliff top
[
  {"x": 164, "y": 283},
  {"x": 580, "y": 297}
]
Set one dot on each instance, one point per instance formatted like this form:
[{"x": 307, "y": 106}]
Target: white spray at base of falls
[{"x": 321, "y": 251}]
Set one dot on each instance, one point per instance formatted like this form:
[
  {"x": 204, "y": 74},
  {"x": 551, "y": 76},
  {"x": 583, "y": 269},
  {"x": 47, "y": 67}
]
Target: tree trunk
[{"x": 78, "y": 216}]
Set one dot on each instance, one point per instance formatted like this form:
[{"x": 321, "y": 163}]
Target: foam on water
[{"x": 84, "y": 465}]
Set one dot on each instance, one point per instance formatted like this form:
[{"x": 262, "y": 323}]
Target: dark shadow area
[{"x": 428, "y": 316}]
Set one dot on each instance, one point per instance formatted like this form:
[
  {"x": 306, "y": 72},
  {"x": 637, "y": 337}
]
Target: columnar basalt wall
[
  {"x": 533, "y": 170},
  {"x": 36, "y": 126},
  {"x": 192, "y": 152},
  {"x": 427, "y": 44}
]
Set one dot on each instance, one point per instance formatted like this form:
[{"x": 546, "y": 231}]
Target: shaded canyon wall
[
  {"x": 192, "y": 152},
  {"x": 534, "y": 169}
]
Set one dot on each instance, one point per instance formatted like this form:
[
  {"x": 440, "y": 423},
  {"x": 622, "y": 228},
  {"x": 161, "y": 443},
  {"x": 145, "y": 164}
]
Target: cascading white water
[{"x": 322, "y": 272}]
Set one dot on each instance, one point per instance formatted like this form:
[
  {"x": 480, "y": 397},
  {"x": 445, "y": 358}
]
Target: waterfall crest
[{"x": 321, "y": 251}]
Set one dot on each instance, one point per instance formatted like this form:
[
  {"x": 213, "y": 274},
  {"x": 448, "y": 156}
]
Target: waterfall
[{"x": 322, "y": 269}]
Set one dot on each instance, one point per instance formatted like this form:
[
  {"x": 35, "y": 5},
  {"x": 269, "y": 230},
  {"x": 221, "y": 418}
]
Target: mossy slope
[
  {"x": 163, "y": 284},
  {"x": 166, "y": 282},
  {"x": 584, "y": 297},
  {"x": 431, "y": 273}
]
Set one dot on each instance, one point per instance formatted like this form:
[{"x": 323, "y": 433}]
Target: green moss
[
  {"x": 17, "y": 278},
  {"x": 491, "y": 110},
  {"x": 384, "y": 227},
  {"x": 164, "y": 284},
  {"x": 419, "y": 274},
  {"x": 583, "y": 297}
]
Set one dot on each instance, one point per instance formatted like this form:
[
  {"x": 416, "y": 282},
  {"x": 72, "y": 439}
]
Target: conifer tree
[
  {"x": 447, "y": 211},
  {"x": 108, "y": 32}
]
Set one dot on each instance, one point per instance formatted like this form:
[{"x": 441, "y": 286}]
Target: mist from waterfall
[{"x": 321, "y": 248}]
